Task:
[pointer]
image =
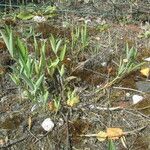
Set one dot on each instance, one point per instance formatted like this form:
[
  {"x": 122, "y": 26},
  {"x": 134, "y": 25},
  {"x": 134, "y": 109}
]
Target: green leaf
[
  {"x": 45, "y": 96},
  {"x": 54, "y": 63},
  {"x": 24, "y": 66},
  {"x": 29, "y": 65},
  {"x": 25, "y": 15},
  {"x": 62, "y": 70},
  {"x": 5, "y": 38},
  {"x": 14, "y": 78},
  {"x": 8, "y": 39},
  {"x": 111, "y": 145},
  {"x": 49, "y": 10},
  {"x": 53, "y": 43},
  {"x": 38, "y": 82},
  {"x": 22, "y": 50},
  {"x": 11, "y": 46},
  {"x": 63, "y": 52},
  {"x": 58, "y": 46},
  {"x": 27, "y": 80}
]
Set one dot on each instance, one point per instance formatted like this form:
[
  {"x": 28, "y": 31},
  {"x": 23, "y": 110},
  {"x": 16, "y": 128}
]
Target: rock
[
  {"x": 137, "y": 98},
  {"x": 47, "y": 124}
]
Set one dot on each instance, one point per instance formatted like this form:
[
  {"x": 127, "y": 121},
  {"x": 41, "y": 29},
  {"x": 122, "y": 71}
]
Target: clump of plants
[
  {"x": 79, "y": 37},
  {"x": 126, "y": 65},
  {"x": 30, "y": 70}
]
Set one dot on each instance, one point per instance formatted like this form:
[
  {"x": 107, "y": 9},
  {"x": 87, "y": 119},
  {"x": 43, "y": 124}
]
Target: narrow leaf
[{"x": 111, "y": 145}]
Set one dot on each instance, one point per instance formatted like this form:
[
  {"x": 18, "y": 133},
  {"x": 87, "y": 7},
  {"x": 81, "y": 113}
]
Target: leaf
[
  {"x": 62, "y": 70},
  {"x": 51, "y": 106},
  {"x": 73, "y": 101},
  {"x": 111, "y": 145},
  {"x": 50, "y": 9},
  {"x": 22, "y": 50},
  {"x": 145, "y": 71},
  {"x": 57, "y": 46},
  {"x": 38, "y": 82},
  {"x": 8, "y": 39},
  {"x": 11, "y": 46},
  {"x": 101, "y": 136},
  {"x": 123, "y": 141},
  {"x": 27, "y": 80},
  {"x": 114, "y": 133},
  {"x": 70, "y": 78},
  {"x": 54, "y": 63},
  {"x": 54, "y": 105},
  {"x": 14, "y": 78},
  {"x": 62, "y": 54},
  {"x": 25, "y": 15}
]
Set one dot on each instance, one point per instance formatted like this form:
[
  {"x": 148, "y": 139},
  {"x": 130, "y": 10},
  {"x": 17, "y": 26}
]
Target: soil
[{"x": 96, "y": 111}]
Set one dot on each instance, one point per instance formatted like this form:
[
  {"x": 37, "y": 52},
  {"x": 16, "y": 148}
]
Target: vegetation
[{"x": 80, "y": 74}]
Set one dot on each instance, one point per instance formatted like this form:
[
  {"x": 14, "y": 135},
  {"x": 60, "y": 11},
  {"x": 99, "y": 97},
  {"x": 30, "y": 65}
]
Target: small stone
[
  {"x": 39, "y": 19},
  {"x": 147, "y": 59},
  {"x": 137, "y": 98},
  {"x": 47, "y": 124},
  {"x": 127, "y": 94}
]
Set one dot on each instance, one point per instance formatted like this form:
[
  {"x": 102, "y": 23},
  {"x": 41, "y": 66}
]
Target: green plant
[
  {"x": 126, "y": 65},
  {"x": 79, "y": 37},
  {"x": 146, "y": 31},
  {"x": 111, "y": 145},
  {"x": 84, "y": 36},
  {"x": 55, "y": 64},
  {"x": 8, "y": 39},
  {"x": 28, "y": 71},
  {"x": 102, "y": 27},
  {"x": 57, "y": 104},
  {"x": 72, "y": 98},
  {"x": 75, "y": 34}
]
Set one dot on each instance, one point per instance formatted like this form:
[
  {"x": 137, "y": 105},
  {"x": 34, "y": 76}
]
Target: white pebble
[
  {"x": 147, "y": 59},
  {"x": 127, "y": 94},
  {"x": 137, "y": 98},
  {"x": 104, "y": 64},
  {"x": 39, "y": 18},
  {"x": 47, "y": 124}
]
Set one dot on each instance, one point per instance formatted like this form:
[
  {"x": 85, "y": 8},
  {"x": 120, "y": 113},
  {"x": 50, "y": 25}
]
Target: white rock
[
  {"x": 127, "y": 94},
  {"x": 104, "y": 64},
  {"x": 137, "y": 98},
  {"x": 47, "y": 124},
  {"x": 39, "y": 18},
  {"x": 147, "y": 59},
  {"x": 60, "y": 122}
]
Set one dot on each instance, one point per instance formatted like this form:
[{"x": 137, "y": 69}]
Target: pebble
[
  {"x": 137, "y": 98},
  {"x": 47, "y": 124}
]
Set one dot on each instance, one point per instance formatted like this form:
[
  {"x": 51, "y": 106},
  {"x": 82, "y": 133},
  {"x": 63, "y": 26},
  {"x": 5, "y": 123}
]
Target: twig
[
  {"x": 130, "y": 89},
  {"x": 42, "y": 137},
  {"x": 68, "y": 136},
  {"x": 33, "y": 135},
  {"x": 11, "y": 143},
  {"x": 104, "y": 108},
  {"x": 124, "y": 133},
  {"x": 134, "y": 131}
]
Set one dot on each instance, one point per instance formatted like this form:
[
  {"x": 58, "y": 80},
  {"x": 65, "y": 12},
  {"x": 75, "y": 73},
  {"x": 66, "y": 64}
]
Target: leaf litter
[{"x": 82, "y": 119}]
